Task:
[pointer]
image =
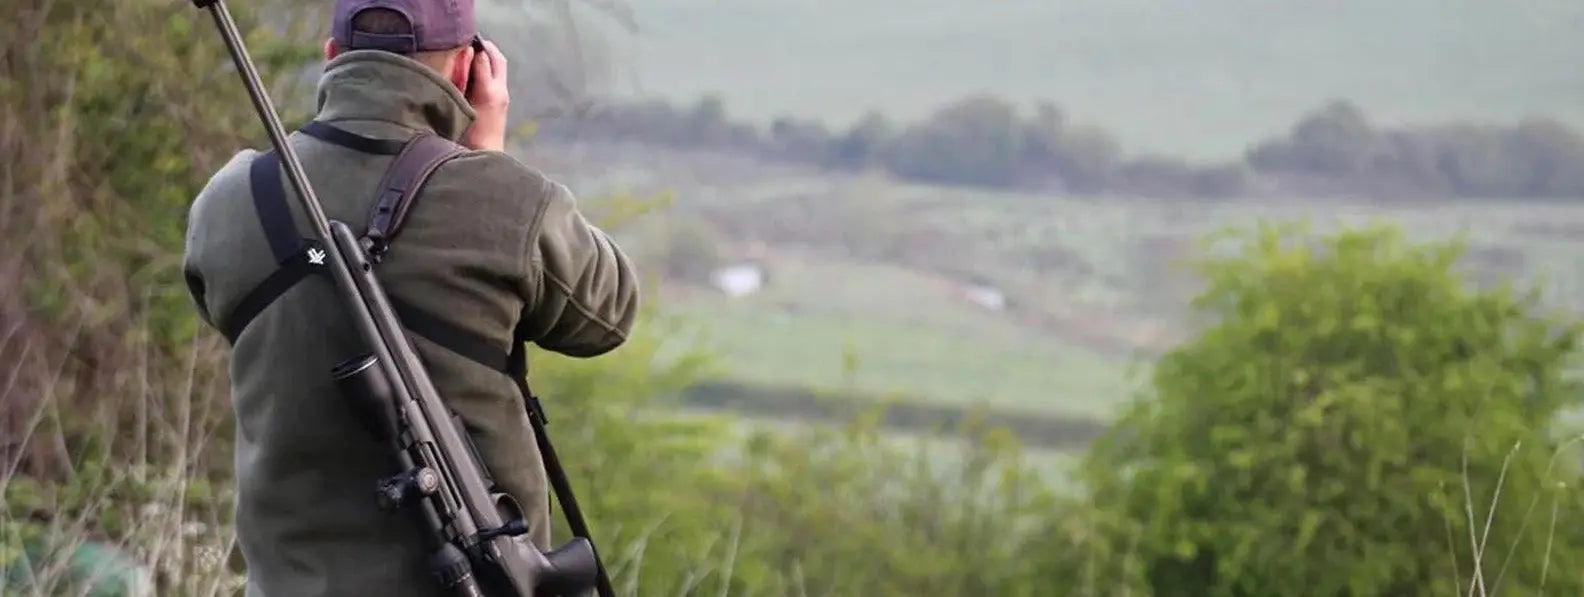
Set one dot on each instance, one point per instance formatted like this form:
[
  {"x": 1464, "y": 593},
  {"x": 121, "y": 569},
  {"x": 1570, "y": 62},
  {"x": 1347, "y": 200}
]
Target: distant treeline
[{"x": 986, "y": 141}]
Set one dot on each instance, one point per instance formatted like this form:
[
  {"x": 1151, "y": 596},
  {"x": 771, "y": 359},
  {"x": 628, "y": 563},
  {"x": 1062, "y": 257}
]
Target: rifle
[{"x": 475, "y": 548}]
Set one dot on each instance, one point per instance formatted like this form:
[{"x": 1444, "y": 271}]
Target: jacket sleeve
[
  {"x": 194, "y": 240},
  {"x": 582, "y": 290},
  {"x": 195, "y": 288}
]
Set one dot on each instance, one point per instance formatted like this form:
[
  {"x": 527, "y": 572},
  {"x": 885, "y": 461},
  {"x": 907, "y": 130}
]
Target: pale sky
[{"x": 1199, "y": 78}]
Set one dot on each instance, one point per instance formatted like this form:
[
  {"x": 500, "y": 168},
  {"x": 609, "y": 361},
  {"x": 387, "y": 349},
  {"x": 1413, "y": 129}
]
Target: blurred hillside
[{"x": 866, "y": 267}]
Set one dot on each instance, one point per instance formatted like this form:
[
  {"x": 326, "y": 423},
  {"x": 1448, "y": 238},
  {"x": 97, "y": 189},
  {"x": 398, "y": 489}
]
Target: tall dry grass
[{"x": 113, "y": 420}]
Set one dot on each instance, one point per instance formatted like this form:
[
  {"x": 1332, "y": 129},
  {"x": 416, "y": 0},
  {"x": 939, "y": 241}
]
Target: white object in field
[
  {"x": 739, "y": 280},
  {"x": 986, "y": 296}
]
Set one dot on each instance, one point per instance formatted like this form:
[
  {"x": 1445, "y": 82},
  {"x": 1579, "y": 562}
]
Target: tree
[
  {"x": 863, "y": 143},
  {"x": 1355, "y": 420},
  {"x": 973, "y": 141},
  {"x": 1335, "y": 140}
]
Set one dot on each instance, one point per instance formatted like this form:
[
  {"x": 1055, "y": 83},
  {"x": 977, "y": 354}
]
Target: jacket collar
[{"x": 371, "y": 85}]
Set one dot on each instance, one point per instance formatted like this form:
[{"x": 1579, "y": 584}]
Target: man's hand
[{"x": 490, "y": 98}]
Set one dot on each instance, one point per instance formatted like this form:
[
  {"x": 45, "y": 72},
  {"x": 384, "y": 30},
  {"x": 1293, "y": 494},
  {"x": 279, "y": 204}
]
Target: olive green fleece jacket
[{"x": 489, "y": 241}]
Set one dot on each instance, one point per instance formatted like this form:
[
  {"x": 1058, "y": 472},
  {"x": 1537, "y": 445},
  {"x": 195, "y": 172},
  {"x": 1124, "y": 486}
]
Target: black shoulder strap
[
  {"x": 296, "y": 257},
  {"x": 417, "y": 161}
]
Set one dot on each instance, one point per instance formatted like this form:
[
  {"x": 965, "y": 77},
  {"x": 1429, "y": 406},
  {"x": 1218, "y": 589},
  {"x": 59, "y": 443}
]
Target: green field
[
  {"x": 883, "y": 329},
  {"x": 831, "y": 320}
]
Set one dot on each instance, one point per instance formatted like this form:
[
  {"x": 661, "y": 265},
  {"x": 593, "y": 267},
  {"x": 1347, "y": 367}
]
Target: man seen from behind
[{"x": 491, "y": 247}]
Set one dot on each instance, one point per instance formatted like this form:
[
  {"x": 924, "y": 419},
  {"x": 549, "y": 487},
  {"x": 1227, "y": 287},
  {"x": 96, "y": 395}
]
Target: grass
[
  {"x": 98, "y": 529},
  {"x": 883, "y": 329}
]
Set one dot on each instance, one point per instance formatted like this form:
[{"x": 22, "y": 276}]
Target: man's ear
[
  {"x": 330, "y": 49},
  {"x": 461, "y": 69}
]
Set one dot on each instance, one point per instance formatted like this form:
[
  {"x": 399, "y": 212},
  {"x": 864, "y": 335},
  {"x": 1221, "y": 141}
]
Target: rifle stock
[{"x": 474, "y": 534}]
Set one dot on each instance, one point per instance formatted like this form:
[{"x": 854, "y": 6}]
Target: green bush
[{"x": 1355, "y": 420}]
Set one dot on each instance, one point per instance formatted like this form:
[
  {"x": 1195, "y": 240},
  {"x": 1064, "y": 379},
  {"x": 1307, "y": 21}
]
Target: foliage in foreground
[
  {"x": 1356, "y": 421},
  {"x": 102, "y": 147}
]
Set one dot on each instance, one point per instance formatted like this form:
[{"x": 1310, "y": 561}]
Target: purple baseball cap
[{"x": 436, "y": 25}]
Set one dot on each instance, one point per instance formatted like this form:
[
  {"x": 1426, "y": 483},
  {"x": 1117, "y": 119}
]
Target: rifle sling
[{"x": 299, "y": 257}]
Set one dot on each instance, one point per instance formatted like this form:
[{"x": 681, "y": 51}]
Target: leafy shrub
[{"x": 1355, "y": 420}]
